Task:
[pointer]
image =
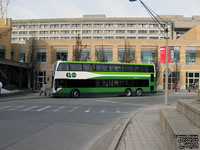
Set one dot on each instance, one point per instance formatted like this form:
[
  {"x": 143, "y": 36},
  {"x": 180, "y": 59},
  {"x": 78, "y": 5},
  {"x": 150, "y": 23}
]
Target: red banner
[{"x": 163, "y": 55}]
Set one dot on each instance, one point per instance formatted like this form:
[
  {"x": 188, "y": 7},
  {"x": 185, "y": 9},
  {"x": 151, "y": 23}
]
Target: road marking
[
  {"x": 103, "y": 110},
  {"x": 43, "y": 108},
  {"x": 16, "y": 108},
  {"x": 29, "y": 108},
  {"x": 59, "y": 108},
  {"x": 73, "y": 109},
  {"x": 88, "y": 110},
  {"x": 118, "y": 111},
  {"x": 5, "y": 107},
  {"x": 121, "y": 103}
]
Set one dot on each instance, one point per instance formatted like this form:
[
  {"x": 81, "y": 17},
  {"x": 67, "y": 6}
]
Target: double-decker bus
[{"x": 74, "y": 79}]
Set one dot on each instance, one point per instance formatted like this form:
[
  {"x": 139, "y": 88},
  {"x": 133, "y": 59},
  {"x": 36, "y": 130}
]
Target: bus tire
[
  {"x": 138, "y": 92},
  {"x": 75, "y": 93},
  {"x": 128, "y": 92}
]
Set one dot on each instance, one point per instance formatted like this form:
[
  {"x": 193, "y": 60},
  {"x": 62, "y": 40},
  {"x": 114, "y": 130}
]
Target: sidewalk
[
  {"x": 143, "y": 131},
  {"x": 19, "y": 95}
]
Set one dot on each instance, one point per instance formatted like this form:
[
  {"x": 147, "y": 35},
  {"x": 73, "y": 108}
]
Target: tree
[
  {"x": 77, "y": 50},
  {"x": 101, "y": 54},
  {"x": 129, "y": 55}
]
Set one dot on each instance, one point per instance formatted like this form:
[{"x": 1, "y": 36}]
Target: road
[{"x": 68, "y": 124}]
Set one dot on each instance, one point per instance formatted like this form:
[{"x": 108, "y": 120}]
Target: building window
[
  {"x": 86, "y": 37},
  {"x": 98, "y": 31},
  {"x": 86, "y": 32},
  {"x": 147, "y": 56},
  {"x": 87, "y": 25},
  {"x": 43, "y": 26},
  {"x": 142, "y": 31},
  {"x": 176, "y": 54},
  {"x": 173, "y": 78},
  {"x": 54, "y": 32},
  {"x": 108, "y": 25},
  {"x": 33, "y": 32},
  {"x": 40, "y": 79},
  {"x": 65, "y": 25},
  {"x": 192, "y": 78},
  {"x": 190, "y": 55},
  {"x": 44, "y": 32},
  {"x": 97, "y": 37},
  {"x": 62, "y": 54},
  {"x": 76, "y": 25},
  {"x": 109, "y": 37},
  {"x": 41, "y": 56},
  {"x": 124, "y": 55},
  {"x": 54, "y": 25},
  {"x": 142, "y": 37},
  {"x": 131, "y": 25},
  {"x": 109, "y": 31},
  {"x": 85, "y": 55},
  {"x": 153, "y": 31},
  {"x": 23, "y": 32},
  {"x": 131, "y": 31},
  {"x": 120, "y": 31},
  {"x": 64, "y": 32},
  {"x": 22, "y": 57},
  {"x": 142, "y": 25},
  {"x": 97, "y": 25},
  {"x": 120, "y": 25},
  {"x": 104, "y": 55}
]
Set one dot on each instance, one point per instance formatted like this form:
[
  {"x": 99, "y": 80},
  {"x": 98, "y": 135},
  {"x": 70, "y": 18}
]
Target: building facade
[{"x": 185, "y": 70}]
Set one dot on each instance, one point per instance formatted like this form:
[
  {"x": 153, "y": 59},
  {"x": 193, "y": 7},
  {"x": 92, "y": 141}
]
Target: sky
[{"x": 37, "y": 9}]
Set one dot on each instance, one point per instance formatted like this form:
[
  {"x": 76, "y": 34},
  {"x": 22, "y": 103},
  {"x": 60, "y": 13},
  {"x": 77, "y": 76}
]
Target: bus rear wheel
[
  {"x": 128, "y": 92},
  {"x": 75, "y": 93},
  {"x": 138, "y": 92}
]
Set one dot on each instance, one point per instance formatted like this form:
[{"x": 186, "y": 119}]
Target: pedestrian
[
  {"x": 194, "y": 86},
  {"x": 44, "y": 89},
  {"x": 1, "y": 86},
  {"x": 176, "y": 86}
]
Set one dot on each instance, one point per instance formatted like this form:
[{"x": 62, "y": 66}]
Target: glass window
[
  {"x": 40, "y": 78},
  {"x": 22, "y": 57},
  {"x": 41, "y": 56},
  {"x": 85, "y": 55},
  {"x": 114, "y": 68},
  {"x": 125, "y": 55},
  {"x": 76, "y": 67},
  {"x": 61, "y": 56},
  {"x": 190, "y": 54},
  {"x": 101, "y": 67},
  {"x": 87, "y": 67},
  {"x": 147, "y": 57},
  {"x": 63, "y": 67},
  {"x": 104, "y": 55}
]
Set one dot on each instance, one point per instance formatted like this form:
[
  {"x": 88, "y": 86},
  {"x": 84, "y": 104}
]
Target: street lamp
[{"x": 165, "y": 28}]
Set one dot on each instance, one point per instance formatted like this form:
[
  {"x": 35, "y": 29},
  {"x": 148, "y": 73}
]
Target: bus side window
[{"x": 87, "y": 67}]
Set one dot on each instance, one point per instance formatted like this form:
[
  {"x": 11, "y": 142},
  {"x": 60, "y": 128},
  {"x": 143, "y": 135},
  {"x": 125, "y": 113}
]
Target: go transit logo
[{"x": 71, "y": 75}]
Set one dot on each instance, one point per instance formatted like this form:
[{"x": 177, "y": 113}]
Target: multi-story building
[
  {"x": 55, "y": 39},
  {"x": 99, "y": 27}
]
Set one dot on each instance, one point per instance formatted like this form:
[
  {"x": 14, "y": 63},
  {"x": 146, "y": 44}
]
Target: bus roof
[{"x": 104, "y": 63}]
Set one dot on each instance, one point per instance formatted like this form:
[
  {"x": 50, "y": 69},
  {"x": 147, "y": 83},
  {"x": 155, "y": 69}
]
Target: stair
[{"x": 181, "y": 124}]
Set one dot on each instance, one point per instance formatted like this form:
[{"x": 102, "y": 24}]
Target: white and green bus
[{"x": 74, "y": 79}]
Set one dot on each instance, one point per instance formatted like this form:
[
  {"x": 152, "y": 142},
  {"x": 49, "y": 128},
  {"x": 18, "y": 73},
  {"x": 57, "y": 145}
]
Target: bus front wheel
[
  {"x": 128, "y": 92},
  {"x": 75, "y": 93},
  {"x": 138, "y": 92}
]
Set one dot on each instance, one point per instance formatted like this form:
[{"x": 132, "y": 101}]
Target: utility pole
[{"x": 158, "y": 19}]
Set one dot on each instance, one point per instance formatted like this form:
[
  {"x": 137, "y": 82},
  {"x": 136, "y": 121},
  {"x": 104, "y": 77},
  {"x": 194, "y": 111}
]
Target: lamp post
[{"x": 158, "y": 20}]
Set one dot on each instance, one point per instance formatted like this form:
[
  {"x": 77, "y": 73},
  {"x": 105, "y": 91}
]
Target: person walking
[
  {"x": 176, "y": 86},
  {"x": 44, "y": 89},
  {"x": 1, "y": 86}
]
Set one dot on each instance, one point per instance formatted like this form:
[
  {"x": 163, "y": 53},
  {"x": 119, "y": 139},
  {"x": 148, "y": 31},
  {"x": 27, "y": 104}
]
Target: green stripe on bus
[
  {"x": 101, "y": 90},
  {"x": 122, "y": 73}
]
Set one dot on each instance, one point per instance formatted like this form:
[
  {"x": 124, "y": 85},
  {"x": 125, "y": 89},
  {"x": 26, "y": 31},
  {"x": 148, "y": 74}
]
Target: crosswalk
[{"x": 68, "y": 108}]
